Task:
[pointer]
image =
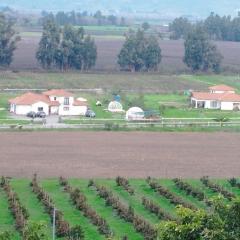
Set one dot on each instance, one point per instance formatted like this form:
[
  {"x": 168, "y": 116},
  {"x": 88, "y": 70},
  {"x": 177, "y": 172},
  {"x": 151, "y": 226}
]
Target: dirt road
[{"x": 108, "y": 154}]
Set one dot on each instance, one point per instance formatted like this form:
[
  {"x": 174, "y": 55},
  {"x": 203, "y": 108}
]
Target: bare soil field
[
  {"x": 109, "y": 154},
  {"x": 108, "y": 49}
]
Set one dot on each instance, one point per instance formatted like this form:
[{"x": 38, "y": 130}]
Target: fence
[{"x": 110, "y": 125}]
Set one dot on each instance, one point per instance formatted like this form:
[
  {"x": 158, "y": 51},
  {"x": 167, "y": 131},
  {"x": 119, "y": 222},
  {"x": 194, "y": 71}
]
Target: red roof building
[{"x": 219, "y": 97}]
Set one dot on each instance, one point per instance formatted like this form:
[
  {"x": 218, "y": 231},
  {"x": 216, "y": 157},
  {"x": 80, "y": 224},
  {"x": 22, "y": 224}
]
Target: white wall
[
  {"x": 73, "y": 110},
  {"x": 227, "y": 106},
  {"x": 24, "y": 109},
  {"x": 54, "y": 110},
  {"x": 207, "y": 103},
  {"x": 213, "y": 91},
  {"x": 61, "y": 99},
  {"x": 43, "y": 105}
]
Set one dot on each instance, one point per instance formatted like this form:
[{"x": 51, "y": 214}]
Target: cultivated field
[
  {"x": 109, "y": 47},
  {"x": 108, "y": 154},
  {"x": 148, "y": 204}
]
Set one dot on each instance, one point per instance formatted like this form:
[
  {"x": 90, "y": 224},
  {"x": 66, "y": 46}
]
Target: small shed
[
  {"x": 134, "y": 114},
  {"x": 115, "y": 107}
]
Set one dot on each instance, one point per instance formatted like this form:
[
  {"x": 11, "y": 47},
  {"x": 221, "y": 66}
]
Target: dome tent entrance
[
  {"x": 115, "y": 106},
  {"x": 134, "y": 114}
]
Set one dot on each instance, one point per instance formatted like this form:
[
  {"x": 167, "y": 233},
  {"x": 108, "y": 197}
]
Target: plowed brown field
[{"x": 109, "y": 154}]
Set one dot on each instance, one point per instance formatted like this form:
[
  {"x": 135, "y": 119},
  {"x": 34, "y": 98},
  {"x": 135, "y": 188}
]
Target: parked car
[
  {"x": 90, "y": 113},
  {"x": 31, "y": 114},
  {"x": 41, "y": 114}
]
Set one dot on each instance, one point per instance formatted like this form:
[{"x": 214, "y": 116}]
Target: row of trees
[
  {"x": 83, "y": 18},
  {"x": 66, "y": 49},
  {"x": 69, "y": 48},
  {"x": 223, "y": 28},
  {"x": 221, "y": 222}
]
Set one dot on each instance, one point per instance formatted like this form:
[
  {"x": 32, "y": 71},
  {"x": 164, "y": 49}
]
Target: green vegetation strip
[
  {"x": 6, "y": 220},
  {"x": 118, "y": 225},
  {"x": 169, "y": 184},
  {"x": 71, "y": 214},
  {"x": 133, "y": 200},
  {"x": 30, "y": 202}
]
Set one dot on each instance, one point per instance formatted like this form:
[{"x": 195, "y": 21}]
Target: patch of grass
[
  {"x": 214, "y": 80},
  {"x": 118, "y": 225},
  {"x": 169, "y": 184},
  {"x": 133, "y": 201},
  {"x": 142, "y": 189},
  {"x": 71, "y": 214},
  {"x": 199, "y": 185},
  {"x": 6, "y": 219},
  {"x": 30, "y": 201}
]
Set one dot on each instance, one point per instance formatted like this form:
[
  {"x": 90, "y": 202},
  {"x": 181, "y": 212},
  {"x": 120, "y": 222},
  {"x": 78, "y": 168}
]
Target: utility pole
[{"x": 54, "y": 223}]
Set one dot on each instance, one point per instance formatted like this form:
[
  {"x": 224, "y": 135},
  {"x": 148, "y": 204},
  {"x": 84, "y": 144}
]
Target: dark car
[
  {"x": 31, "y": 114},
  {"x": 90, "y": 113},
  {"x": 41, "y": 114}
]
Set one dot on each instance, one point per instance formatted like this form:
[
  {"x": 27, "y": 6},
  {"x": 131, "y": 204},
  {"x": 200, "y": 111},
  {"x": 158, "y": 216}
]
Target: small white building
[
  {"x": 134, "y": 114},
  {"x": 115, "y": 107},
  {"x": 220, "y": 97},
  {"x": 53, "y": 102}
]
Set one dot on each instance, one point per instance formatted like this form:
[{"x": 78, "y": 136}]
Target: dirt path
[{"x": 107, "y": 154}]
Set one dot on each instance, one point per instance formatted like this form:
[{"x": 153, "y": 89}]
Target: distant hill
[{"x": 168, "y": 8}]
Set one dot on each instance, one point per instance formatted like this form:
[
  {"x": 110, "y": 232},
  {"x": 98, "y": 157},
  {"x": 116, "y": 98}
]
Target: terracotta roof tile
[
  {"x": 30, "y": 98},
  {"x": 222, "y": 87},
  {"x": 58, "y": 93},
  {"x": 79, "y": 103},
  {"x": 228, "y": 97}
]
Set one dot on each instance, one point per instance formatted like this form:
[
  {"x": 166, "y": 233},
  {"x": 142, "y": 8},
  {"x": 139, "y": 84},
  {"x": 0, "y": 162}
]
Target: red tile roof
[
  {"x": 224, "y": 97},
  {"x": 222, "y": 87},
  {"x": 58, "y": 93},
  {"x": 231, "y": 97},
  {"x": 29, "y": 99},
  {"x": 79, "y": 103}
]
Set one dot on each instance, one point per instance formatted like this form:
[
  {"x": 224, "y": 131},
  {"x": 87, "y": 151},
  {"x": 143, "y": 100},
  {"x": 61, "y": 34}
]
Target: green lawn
[
  {"x": 233, "y": 81},
  {"x": 119, "y": 226},
  {"x": 71, "y": 214},
  {"x": 6, "y": 219}
]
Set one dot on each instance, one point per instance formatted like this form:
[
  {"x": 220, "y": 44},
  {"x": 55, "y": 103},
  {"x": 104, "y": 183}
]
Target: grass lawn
[
  {"x": 6, "y": 219},
  {"x": 118, "y": 225},
  {"x": 30, "y": 201},
  {"x": 129, "y": 200},
  {"x": 233, "y": 81},
  {"x": 71, "y": 214}
]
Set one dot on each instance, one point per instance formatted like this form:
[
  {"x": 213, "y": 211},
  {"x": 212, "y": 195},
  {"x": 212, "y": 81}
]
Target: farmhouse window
[
  {"x": 213, "y": 104},
  {"x": 40, "y": 109},
  {"x": 66, "y": 101},
  {"x": 66, "y": 109}
]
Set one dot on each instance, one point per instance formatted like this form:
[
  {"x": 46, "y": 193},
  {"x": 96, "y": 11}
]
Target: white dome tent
[
  {"x": 115, "y": 107},
  {"x": 134, "y": 114}
]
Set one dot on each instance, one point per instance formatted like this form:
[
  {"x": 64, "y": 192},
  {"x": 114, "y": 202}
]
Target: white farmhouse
[
  {"x": 53, "y": 102},
  {"x": 219, "y": 97}
]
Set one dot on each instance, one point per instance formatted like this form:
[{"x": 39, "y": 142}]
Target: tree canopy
[
  {"x": 140, "y": 52},
  {"x": 179, "y": 28},
  {"x": 222, "y": 222},
  {"x": 8, "y": 40},
  {"x": 200, "y": 53},
  {"x": 69, "y": 49},
  {"x": 224, "y": 28}
]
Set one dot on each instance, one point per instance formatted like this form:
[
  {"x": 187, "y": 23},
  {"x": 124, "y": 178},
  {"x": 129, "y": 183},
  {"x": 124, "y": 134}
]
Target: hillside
[{"x": 165, "y": 8}]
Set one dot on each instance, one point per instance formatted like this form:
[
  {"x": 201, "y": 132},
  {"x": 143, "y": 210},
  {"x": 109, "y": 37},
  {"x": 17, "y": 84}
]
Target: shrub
[
  {"x": 217, "y": 188},
  {"x": 123, "y": 182}
]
